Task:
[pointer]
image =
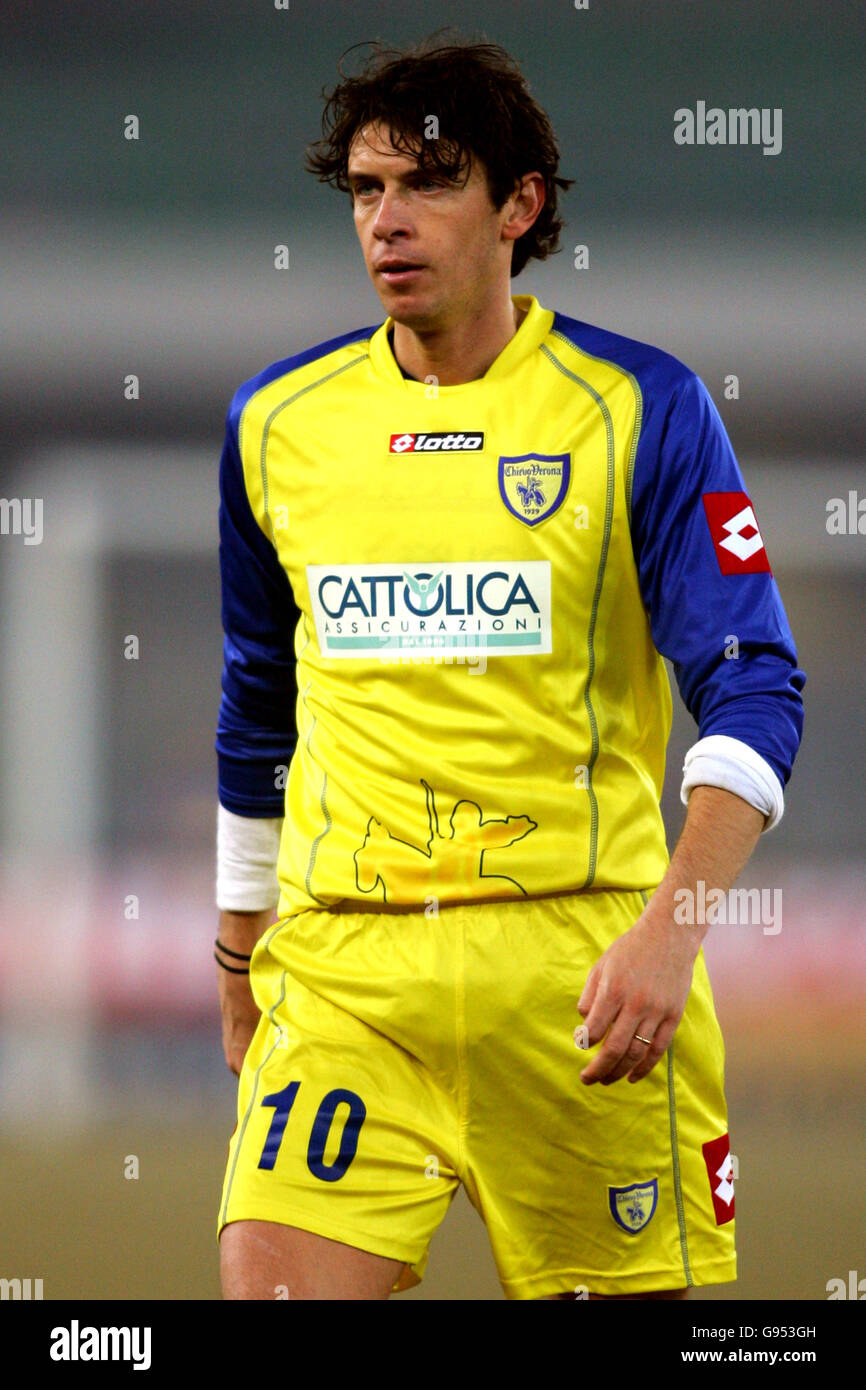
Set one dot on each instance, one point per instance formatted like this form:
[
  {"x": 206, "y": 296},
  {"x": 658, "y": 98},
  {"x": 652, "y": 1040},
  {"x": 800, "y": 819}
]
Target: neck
[{"x": 457, "y": 352}]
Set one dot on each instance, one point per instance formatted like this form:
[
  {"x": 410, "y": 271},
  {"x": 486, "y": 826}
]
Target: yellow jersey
[{"x": 481, "y": 707}]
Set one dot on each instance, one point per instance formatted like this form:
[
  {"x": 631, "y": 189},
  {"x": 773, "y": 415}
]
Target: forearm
[
  {"x": 240, "y": 931},
  {"x": 637, "y": 991},
  {"x": 246, "y": 873},
  {"x": 717, "y": 840}
]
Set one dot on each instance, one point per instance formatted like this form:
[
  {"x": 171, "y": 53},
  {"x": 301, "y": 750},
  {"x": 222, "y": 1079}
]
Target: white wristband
[
  {"x": 721, "y": 761},
  {"x": 247, "y": 852}
]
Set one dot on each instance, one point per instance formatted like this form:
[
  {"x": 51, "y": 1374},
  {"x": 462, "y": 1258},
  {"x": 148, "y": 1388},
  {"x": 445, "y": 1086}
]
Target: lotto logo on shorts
[
  {"x": 720, "y": 1171},
  {"x": 736, "y": 537}
]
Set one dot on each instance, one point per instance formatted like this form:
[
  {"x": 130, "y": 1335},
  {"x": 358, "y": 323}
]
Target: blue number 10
[{"x": 282, "y": 1101}]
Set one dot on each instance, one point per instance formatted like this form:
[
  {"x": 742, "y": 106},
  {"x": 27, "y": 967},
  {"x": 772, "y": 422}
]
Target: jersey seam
[
  {"x": 677, "y": 1176},
  {"x": 263, "y": 451},
  {"x": 529, "y": 1280},
  {"x": 596, "y": 600},
  {"x": 461, "y": 1048},
  {"x": 638, "y": 402},
  {"x": 314, "y": 847}
]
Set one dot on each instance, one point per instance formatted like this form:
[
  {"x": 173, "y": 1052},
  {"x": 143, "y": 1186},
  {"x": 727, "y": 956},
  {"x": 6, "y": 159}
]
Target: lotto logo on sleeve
[
  {"x": 734, "y": 528},
  {"x": 720, "y": 1171}
]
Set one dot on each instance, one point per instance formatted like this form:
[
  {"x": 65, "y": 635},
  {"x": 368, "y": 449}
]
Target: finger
[
  {"x": 660, "y": 1044},
  {"x": 585, "y": 1002},
  {"x": 635, "y": 1053},
  {"x": 601, "y": 1017},
  {"x": 620, "y": 1052}
]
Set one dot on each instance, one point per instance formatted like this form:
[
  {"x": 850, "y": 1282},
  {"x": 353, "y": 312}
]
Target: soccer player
[{"x": 455, "y": 548}]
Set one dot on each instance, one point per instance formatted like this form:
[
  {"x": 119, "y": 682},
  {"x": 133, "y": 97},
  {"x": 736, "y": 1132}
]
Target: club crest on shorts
[
  {"x": 533, "y": 486},
  {"x": 633, "y": 1207}
]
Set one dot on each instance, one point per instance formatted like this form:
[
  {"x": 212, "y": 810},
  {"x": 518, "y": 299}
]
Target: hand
[
  {"x": 240, "y": 1017},
  {"x": 640, "y": 985},
  {"x": 239, "y": 931}
]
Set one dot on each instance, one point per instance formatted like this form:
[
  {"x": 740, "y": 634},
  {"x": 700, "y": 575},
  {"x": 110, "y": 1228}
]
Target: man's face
[{"x": 447, "y": 233}]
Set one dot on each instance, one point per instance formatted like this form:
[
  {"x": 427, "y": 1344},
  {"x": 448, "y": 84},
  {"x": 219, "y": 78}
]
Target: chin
[
  {"x": 413, "y": 313},
  {"x": 408, "y": 314}
]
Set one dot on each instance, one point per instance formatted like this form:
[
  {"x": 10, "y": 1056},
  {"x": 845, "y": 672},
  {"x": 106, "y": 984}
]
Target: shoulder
[
  {"x": 657, "y": 374},
  {"x": 679, "y": 441},
  {"x": 313, "y": 362}
]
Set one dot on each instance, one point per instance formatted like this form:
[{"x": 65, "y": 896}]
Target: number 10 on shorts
[{"x": 282, "y": 1101}]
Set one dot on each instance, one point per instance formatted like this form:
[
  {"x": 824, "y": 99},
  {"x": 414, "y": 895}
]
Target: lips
[
  {"x": 398, "y": 272},
  {"x": 397, "y": 263}
]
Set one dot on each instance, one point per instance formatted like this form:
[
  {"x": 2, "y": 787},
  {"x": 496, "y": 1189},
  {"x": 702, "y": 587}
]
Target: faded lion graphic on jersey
[{"x": 449, "y": 862}]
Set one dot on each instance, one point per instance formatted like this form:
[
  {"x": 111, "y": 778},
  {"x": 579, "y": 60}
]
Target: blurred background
[{"x": 153, "y": 258}]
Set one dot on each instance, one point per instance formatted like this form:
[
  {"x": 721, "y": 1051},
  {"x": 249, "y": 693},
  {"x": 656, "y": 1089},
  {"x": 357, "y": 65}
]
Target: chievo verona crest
[
  {"x": 533, "y": 486},
  {"x": 633, "y": 1207},
  {"x": 362, "y": 610}
]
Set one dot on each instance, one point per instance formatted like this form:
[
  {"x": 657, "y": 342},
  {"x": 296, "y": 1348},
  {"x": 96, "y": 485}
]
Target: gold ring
[{"x": 648, "y": 1041}]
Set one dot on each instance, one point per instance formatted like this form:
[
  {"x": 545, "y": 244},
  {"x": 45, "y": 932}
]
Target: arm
[
  {"x": 699, "y": 593},
  {"x": 239, "y": 931},
  {"x": 713, "y": 604},
  {"x": 642, "y": 982},
  {"x": 255, "y": 736}
]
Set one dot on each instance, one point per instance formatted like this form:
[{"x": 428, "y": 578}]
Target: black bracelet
[
  {"x": 235, "y": 955},
  {"x": 232, "y": 969}
]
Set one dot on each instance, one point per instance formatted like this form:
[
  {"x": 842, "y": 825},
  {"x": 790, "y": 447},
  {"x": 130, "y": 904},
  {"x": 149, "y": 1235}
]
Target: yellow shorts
[{"x": 400, "y": 1054}]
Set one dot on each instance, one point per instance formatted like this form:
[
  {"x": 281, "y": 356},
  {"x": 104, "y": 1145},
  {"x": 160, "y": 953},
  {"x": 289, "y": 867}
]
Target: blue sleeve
[
  {"x": 256, "y": 729},
  {"x": 694, "y": 608}
]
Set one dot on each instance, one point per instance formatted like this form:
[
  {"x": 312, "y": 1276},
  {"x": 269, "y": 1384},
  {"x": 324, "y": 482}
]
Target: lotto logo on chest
[{"x": 436, "y": 441}]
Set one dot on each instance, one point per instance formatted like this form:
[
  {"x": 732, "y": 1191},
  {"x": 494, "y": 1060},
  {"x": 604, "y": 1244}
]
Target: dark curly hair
[{"x": 484, "y": 109}]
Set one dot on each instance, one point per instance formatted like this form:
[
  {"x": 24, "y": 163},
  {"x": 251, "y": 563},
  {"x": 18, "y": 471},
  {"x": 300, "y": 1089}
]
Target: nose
[{"x": 391, "y": 214}]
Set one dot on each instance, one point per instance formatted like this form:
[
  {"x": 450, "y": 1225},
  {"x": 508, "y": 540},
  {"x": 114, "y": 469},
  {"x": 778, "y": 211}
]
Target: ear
[{"x": 524, "y": 205}]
